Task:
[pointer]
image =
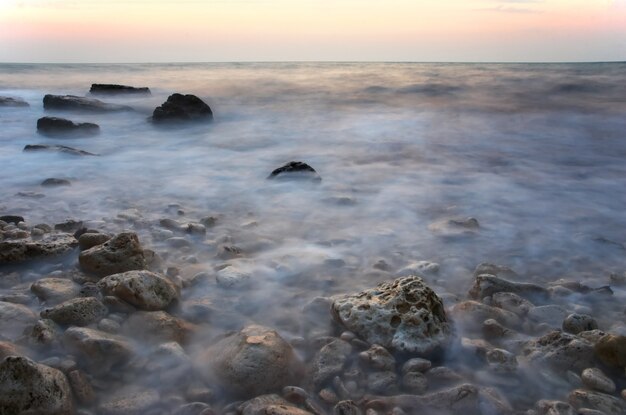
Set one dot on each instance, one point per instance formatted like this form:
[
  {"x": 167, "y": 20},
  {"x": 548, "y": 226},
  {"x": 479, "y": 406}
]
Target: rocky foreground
[{"x": 93, "y": 322}]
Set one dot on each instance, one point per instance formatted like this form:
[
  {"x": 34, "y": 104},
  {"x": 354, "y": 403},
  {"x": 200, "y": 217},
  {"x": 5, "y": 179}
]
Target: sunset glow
[{"x": 248, "y": 30}]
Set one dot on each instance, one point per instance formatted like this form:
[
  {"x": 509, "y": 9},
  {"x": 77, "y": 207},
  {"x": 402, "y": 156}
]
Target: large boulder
[
  {"x": 61, "y": 127},
  {"x": 110, "y": 89},
  {"x": 119, "y": 254},
  {"x": 295, "y": 170},
  {"x": 29, "y": 249},
  {"x": 57, "y": 148},
  {"x": 14, "y": 318},
  {"x": 143, "y": 289},
  {"x": 76, "y": 312},
  {"x": 179, "y": 107},
  {"x": 254, "y": 361},
  {"x": 27, "y": 387},
  {"x": 404, "y": 315},
  {"x": 101, "y": 350},
  {"x": 72, "y": 102},
  {"x": 12, "y": 102}
]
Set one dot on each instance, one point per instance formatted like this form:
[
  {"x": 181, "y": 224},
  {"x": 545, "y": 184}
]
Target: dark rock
[
  {"x": 53, "y": 182},
  {"x": 72, "y": 102},
  {"x": 69, "y": 225},
  {"x": 12, "y": 219},
  {"x": 117, "y": 89},
  {"x": 54, "y": 126},
  {"x": 60, "y": 149},
  {"x": 13, "y": 102},
  {"x": 180, "y": 107},
  {"x": 295, "y": 170}
]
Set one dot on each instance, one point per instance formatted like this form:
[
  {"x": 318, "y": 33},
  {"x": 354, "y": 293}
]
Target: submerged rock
[
  {"x": 131, "y": 401},
  {"x": 13, "y": 102},
  {"x": 486, "y": 285},
  {"x": 180, "y": 107},
  {"x": 329, "y": 361},
  {"x": 158, "y": 326},
  {"x": 101, "y": 350},
  {"x": 295, "y": 170},
  {"x": 611, "y": 350},
  {"x": 143, "y": 289},
  {"x": 607, "y": 404},
  {"x": 405, "y": 315},
  {"x": 72, "y": 102},
  {"x": 61, "y": 149},
  {"x": 560, "y": 352},
  {"x": 108, "y": 89},
  {"x": 594, "y": 378},
  {"x": 29, "y": 249},
  {"x": 14, "y": 318},
  {"x": 27, "y": 387},
  {"x": 254, "y": 361},
  {"x": 54, "y": 182},
  {"x": 58, "y": 127},
  {"x": 119, "y": 254}
]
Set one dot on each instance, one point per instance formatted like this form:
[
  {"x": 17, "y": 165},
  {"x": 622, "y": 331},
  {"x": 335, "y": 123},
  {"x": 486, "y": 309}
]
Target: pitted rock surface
[
  {"x": 119, "y": 254},
  {"x": 143, "y": 289},
  {"x": 28, "y": 249},
  {"x": 404, "y": 315}
]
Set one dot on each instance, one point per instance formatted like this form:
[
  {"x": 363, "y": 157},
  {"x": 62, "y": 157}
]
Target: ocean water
[{"x": 536, "y": 153}]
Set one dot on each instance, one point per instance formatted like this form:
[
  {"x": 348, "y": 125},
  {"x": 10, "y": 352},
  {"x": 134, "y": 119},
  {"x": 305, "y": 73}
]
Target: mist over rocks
[
  {"x": 12, "y": 102},
  {"x": 295, "y": 170},
  {"x": 57, "y": 148},
  {"x": 145, "y": 290},
  {"x": 182, "y": 108},
  {"x": 61, "y": 127},
  {"x": 113, "y": 89},
  {"x": 119, "y": 254},
  {"x": 405, "y": 315},
  {"x": 27, "y": 249},
  {"x": 76, "y": 103}
]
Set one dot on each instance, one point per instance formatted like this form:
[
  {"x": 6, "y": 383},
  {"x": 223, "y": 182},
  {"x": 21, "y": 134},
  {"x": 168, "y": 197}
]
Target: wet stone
[
  {"x": 55, "y": 182},
  {"x": 119, "y": 254},
  {"x": 76, "y": 312},
  {"x": 594, "y": 378},
  {"x": 145, "y": 290},
  {"x": 89, "y": 240},
  {"x": 611, "y": 350},
  {"x": 576, "y": 323},
  {"x": 378, "y": 358},
  {"x": 29, "y": 249},
  {"x": 608, "y": 404},
  {"x": 329, "y": 361},
  {"x": 55, "y": 290}
]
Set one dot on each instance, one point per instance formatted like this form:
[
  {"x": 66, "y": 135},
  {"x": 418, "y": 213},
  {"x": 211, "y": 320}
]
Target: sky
[{"x": 312, "y": 30}]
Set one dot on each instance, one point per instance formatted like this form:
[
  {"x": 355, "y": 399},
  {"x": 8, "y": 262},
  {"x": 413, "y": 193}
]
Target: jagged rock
[
  {"x": 119, "y": 254},
  {"x": 576, "y": 323},
  {"x": 486, "y": 285},
  {"x": 329, "y": 361},
  {"x": 55, "y": 290},
  {"x": 76, "y": 312},
  {"x": 13, "y": 102},
  {"x": 29, "y": 249},
  {"x": 131, "y": 401},
  {"x": 346, "y": 408},
  {"x": 158, "y": 326},
  {"x": 611, "y": 350},
  {"x": 14, "y": 319},
  {"x": 143, "y": 289},
  {"x": 560, "y": 352},
  {"x": 594, "y": 378},
  {"x": 27, "y": 387},
  {"x": 58, "y": 148},
  {"x": 101, "y": 350},
  {"x": 111, "y": 89},
  {"x": 55, "y": 126},
  {"x": 295, "y": 170},
  {"x": 72, "y": 102},
  {"x": 610, "y": 405},
  {"x": 55, "y": 182},
  {"x": 180, "y": 107},
  {"x": 254, "y": 361},
  {"x": 404, "y": 315}
]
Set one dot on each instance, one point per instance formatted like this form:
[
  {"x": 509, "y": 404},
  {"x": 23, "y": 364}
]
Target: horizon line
[{"x": 312, "y": 61}]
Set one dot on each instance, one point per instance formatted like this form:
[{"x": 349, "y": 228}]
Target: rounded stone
[
  {"x": 594, "y": 378},
  {"x": 143, "y": 289},
  {"x": 119, "y": 254},
  {"x": 576, "y": 323},
  {"x": 76, "y": 312}
]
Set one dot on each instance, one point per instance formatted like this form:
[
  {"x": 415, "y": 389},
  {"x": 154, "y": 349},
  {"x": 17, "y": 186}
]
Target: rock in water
[
  {"x": 29, "y": 387},
  {"x": 14, "y": 319},
  {"x": 53, "y": 182},
  {"x": 28, "y": 249},
  {"x": 119, "y": 254},
  {"x": 12, "y": 102},
  {"x": 72, "y": 102},
  {"x": 101, "y": 351},
  {"x": 109, "y": 89},
  {"x": 254, "y": 361},
  {"x": 143, "y": 289},
  {"x": 560, "y": 352},
  {"x": 295, "y": 170},
  {"x": 611, "y": 350},
  {"x": 77, "y": 312},
  {"x": 54, "y": 126},
  {"x": 405, "y": 315},
  {"x": 60, "y": 149},
  {"x": 180, "y": 107}
]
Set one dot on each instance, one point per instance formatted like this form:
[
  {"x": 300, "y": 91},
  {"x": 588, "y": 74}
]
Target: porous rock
[
  {"x": 27, "y": 387},
  {"x": 404, "y": 315},
  {"x": 119, "y": 254},
  {"x": 179, "y": 107},
  {"x": 560, "y": 352},
  {"x": 77, "y": 312},
  {"x": 72, "y": 102},
  {"x": 576, "y": 323},
  {"x": 131, "y": 401},
  {"x": 145, "y": 290},
  {"x": 254, "y": 361},
  {"x": 28, "y": 249},
  {"x": 55, "y": 126}
]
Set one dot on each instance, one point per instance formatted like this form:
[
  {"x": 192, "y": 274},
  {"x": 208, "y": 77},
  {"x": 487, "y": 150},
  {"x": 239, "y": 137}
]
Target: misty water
[{"x": 534, "y": 152}]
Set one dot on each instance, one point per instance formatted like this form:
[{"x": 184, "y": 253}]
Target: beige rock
[
  {"x": 119, "y": 254},
  {"x": 55, "y": 290},
  {"x": 145, "y": 290},
  {"x": 611, "y": 349},
  {"x": 594, "y": 378},
  {"x": 89, "y": 240},
  {"x": 608, "y": 404}
]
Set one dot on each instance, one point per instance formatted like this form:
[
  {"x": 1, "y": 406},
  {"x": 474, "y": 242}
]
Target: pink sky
[{"x": 268, "y": 30}]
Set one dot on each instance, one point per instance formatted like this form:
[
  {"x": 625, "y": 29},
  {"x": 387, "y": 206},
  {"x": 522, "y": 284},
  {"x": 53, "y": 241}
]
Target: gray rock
[
  {"x": 89, "y": 240},
  {"x": 551, "y": 314},
  {"x": 473, "y": 314},
  {"x": 269, "y": 405},
  {"x": 82, "y": 388},
  {"x": 72, "y": 102},
  {"x": 14, "y": 319},
  {"x": 55, "y": 182},
  {"x": 44, "y": 334},
  {"x": 415, "y": 382},
  {"x": 404, "y": 315},
  {"x": 254, "y": 361},
  {"x": 57, "y": 148},
  {"x": 382, "y": 382},
  {"x": 610, "y": 405},
  {"x": 13, "y": 102},
  {"x": 232, "y": 277},
  {"x": 346, "y": 408},
  {"x": 102, "y": 351},
  {"x": 560, "y": 352},
  {"x": 151, "y": 326},
  {"x": 61, "y": 127},
  {"x": 132, "y": 401},
  {"x": 76, "y": 312},
  {"x": 512, "y": 302},
  {"x": 486, "y": 285},
  {"x": 576, "y": 323},
  {"x": 594, "y": 378},
  {"x": 416, "y": 364},
  {"x": 145, "y": 290},
  {"x": 55, "y": 290},
  {"x": 295, "y": 170},
  {"x": 29, "y": 249},
  {"x": 494, "y": 269},
  {"x": 547, "y": 407},
  {"x": 119, "y": 254},
  {"x": 30, "y": 388},
  {"x": 329, "y": 361},
  {"x": 501, "y": 361},
  {"x": 378, "y": 358}
]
